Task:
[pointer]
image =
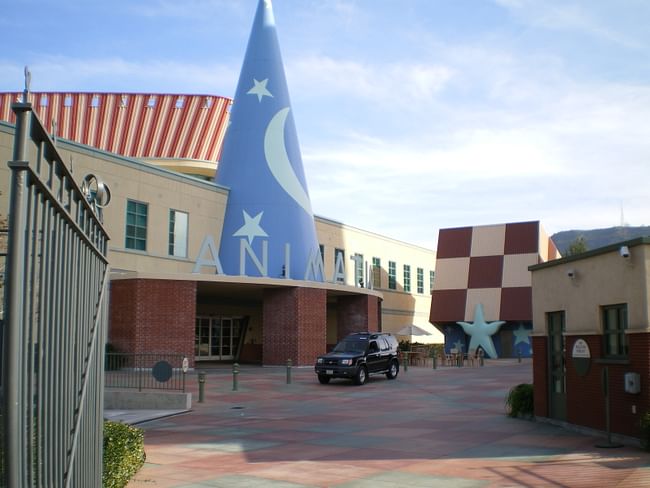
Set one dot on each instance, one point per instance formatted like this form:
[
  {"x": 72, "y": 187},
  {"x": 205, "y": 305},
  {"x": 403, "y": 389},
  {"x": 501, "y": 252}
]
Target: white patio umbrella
[{"x": 413, "y": 330}]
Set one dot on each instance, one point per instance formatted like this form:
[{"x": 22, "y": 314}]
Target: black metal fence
[
  {"x": 55, "y": 318},
  {"x": 145, "y": 371}
]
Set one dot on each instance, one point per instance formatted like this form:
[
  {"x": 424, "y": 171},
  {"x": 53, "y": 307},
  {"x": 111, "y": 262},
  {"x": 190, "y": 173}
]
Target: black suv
[{"x": 359, "y": 355}]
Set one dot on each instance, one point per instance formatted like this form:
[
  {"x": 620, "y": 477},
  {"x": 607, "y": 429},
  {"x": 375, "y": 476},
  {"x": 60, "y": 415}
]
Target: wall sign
[
  {"x": 581, "y": 357},
  {"x": 581, "y": 349}
]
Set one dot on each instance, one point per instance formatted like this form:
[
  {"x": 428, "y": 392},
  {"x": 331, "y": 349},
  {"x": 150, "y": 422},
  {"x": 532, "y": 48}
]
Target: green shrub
[
  {"x": 123, "y": 453},
  {"x": 519, "y": 401},
  {"x": 645, "y": 431}
]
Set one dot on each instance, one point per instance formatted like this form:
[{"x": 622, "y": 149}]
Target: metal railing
[
  {"x": 55, "y": 318},
  {"x": 145, "y": 371}
]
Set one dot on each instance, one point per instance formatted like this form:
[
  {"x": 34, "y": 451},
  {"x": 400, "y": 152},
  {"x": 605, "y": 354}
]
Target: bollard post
[
  {"x": 434, "y": 357},
  {"x": 480, "y": 357},
  {"x": 235, "y": 374},
  {"x": 518, "y": 356},
  {"x": 201, "y": 386},
  {"x": 405, "y": 362},
  {"x": 289, "y": 371}
]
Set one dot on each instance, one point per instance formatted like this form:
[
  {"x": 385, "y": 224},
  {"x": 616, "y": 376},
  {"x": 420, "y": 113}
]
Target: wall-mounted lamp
[{"x": 624, "y": 251}]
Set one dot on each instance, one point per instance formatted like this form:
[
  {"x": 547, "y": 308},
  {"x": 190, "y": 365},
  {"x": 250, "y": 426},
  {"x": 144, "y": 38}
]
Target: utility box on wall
[{"x": 632, "y": 383}]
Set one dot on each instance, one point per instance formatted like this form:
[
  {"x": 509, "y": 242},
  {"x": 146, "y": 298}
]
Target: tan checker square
[
  {"x": 451, "y": 274},
  {"x": 515, "y": 269},
  {"x": 491, "y": 300},
  {"x": 488, "y": 240}
]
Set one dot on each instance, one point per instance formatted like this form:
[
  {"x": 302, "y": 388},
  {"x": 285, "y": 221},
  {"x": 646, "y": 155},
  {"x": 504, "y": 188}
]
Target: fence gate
[{"x": 55, "y": 319}]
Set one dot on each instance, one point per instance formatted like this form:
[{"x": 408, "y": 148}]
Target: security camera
[
  {"x": 571, "y": 273},
  {"x": 624, "y": 251}
]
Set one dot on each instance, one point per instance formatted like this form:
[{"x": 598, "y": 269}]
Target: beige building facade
[
  {"x": 591, "y": 337},
  {"x": 184, "y": 214}
]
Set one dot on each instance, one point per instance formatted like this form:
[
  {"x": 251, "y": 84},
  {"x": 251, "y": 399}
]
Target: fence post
[
  {"x": 289, "y": 371},
  {"x": 434, "y": 358},
  {"x": 235, "y": 374},
  {"x": 201, "y": 386}
]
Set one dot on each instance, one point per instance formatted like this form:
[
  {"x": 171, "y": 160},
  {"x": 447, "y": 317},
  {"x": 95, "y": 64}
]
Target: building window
[
  {"x": 614, "y": 326},
  {"x": 420, "y": 279},
  {"x": 178, "y": 233},
  {"x": 392, "y": 275},
  {"x": 151, "y": 103},
  {"x": 432, "y": 275},
  {"x": 358, "y": 269},
  {"x": 94, "y": 101},
  {"x": 67, "y": 101},
  {"x": 337, "y": 253},
  {"x": 376, "y": 273},
  {"x": 43, "y": 100},
  {"x": 407, "y": 278},
  {"x": 136, "y": 225},
  {"x": 179, "y": 102}
]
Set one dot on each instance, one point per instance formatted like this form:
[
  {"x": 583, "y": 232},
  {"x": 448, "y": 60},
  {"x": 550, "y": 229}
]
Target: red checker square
[
  {"x": 485, "y": 272},
  {"x": 454, "y": 243},
  {"x": 517, "y": 303},
  {"x": 522, "y": 238},
  {"x": 447, "y": 305}
]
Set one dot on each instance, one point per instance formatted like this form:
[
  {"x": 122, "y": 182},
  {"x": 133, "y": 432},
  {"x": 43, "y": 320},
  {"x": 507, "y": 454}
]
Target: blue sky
[{"x": 412, "y": 115}]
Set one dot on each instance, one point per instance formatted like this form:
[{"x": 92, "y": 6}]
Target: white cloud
[
  {"x": 380, "y": 83},
  {"x": 115, "y": 74},
  {"x": 570, "y": 16}
]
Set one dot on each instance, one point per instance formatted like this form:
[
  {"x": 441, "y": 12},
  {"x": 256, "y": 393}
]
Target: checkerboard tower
[{"x": 269, "y": 226}]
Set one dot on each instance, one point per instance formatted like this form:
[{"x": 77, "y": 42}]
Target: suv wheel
[
  {"x": 324, "y": 379},
  {"x": 361, "y": 376},
  {"x": 393, "y": 369}
]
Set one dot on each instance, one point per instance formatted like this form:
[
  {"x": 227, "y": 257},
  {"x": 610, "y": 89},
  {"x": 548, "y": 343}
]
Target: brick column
[
  {"x": 156, "y": 316},
  {"x": 294, "y": 325},
  {"x": 357, "y": 313}
]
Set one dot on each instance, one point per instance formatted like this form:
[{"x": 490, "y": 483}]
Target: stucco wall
[{"x": 603, "y": 279}]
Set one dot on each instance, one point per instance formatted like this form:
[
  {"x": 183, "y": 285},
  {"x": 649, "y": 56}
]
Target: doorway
[
  {"x": 217, "y": 338},
  {"x": 556, "y": 365}
]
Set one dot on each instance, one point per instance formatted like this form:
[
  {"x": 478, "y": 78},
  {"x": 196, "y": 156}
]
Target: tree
[{"x": 577, "y": 246}]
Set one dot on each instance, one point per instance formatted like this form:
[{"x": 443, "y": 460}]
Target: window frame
[
  {"x": 392, "y": 275},
  {"x": 419, "y": 276},
  {"x": 171, "y": 235},
  {"x": 618, "y": 348},
  {"x": 135, "y": 225},
  {"x": 407, "y": 277},
  {"x": 376, "y": 272}
]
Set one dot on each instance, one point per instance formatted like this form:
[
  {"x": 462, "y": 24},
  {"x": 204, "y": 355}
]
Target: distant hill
[{"x": 598, "y": 237}]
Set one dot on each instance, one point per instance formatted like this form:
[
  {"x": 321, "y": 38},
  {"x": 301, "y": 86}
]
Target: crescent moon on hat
[{"x": 278, "y": 161}]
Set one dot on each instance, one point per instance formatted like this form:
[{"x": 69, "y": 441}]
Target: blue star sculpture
[
  {"x": 268, "y": 228},
  {"x": 481, "y": 332}
]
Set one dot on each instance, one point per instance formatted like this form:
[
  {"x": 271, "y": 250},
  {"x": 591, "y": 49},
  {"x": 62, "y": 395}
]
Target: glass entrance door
[
  {"x": 556, "y": 365},
  {"x": 217, "y": 338}
]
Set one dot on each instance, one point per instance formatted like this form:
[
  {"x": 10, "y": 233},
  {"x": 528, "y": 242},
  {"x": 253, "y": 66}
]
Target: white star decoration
[
  {"x": 251, "y": 228},
  {"x": 521, "y": 335},
  {"x": 459, "y": 346},
  {"x": 481, "y": 332},
  {"x": 259, "y": 89}
]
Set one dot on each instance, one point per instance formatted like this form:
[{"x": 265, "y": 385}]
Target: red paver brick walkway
[{"x": 444, "y": 427}]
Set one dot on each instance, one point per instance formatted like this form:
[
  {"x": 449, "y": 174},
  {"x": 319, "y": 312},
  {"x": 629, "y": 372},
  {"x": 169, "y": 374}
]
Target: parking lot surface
[{"x": 445, "y": 427}]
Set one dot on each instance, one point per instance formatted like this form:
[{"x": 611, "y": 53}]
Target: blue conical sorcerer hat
[{"x": 269, "y": 225}]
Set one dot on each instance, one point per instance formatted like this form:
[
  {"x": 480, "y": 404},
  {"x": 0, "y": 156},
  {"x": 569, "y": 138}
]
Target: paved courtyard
[{"x": 445, "y": 427}]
